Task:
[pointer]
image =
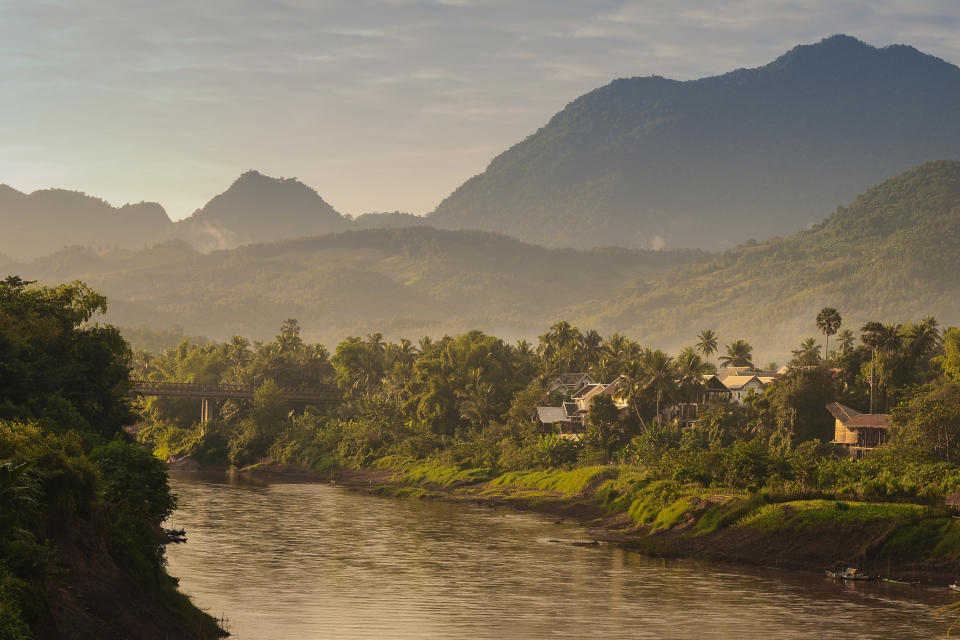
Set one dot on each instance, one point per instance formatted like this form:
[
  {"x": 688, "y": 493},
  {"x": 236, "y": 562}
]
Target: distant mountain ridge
[
  {"x": 44, "y": 221},
  {"x": 254, "y": 208},
  {"x": 640, "y": 162},
  {"x": 891, "y": 255},
  {"x": 709, "y": 163}
]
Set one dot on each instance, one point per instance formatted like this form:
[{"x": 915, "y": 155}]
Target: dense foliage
[
  {"x": 469, "y": 402},
  {"x": 66, "y": 465}
]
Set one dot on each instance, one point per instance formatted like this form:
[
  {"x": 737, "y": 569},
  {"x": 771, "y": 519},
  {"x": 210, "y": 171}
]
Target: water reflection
[{"x": 313, "y": 561}]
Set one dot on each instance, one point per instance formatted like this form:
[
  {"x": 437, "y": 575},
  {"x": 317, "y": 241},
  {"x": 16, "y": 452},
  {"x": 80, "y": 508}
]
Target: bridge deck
[{"x": 327, "y": 393}]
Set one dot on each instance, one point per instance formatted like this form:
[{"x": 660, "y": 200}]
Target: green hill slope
[
  {"x": 403, "y": 282},
  {"x": 892, "y": 255},
  {"x": 753, "y": 153}
]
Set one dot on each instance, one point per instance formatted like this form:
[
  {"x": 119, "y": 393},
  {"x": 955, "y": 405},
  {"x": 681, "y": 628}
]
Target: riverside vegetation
[
  {"x": 455, "y": 416},
  {"x": 80, "y": 503}
]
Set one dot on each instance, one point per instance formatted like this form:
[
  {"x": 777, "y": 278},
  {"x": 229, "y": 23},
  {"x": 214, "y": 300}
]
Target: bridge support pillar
[{"x": 208, "y": 410}]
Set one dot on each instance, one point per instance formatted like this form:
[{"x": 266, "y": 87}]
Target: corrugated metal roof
[
  {"x": 738, "y": 382},
  {"x": 549, "y": 415},
  {"x": 587, "y": 389}
]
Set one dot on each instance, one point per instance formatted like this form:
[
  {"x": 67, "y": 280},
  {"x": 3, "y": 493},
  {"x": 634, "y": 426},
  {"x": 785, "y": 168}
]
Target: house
[
  {"x": 859, "y": 432},
  {"x": 953, "y": 501},
  {"x": 558, "y": 420},
  {"x": 570, "y": 417},
  {"x": 740, "y": 386}
]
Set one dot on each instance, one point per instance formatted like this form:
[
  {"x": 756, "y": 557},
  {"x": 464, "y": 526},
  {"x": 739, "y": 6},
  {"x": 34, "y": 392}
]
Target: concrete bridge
[{"x": 210, "y": 393}]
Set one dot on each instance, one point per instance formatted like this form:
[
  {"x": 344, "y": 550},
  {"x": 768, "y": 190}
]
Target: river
[{"x": 299, "y": 561}]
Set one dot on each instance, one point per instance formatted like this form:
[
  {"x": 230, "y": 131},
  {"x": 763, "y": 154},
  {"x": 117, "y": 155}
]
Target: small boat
[
  {"x": 849, "y": 574},
  {"x": 955, "y": 586}
]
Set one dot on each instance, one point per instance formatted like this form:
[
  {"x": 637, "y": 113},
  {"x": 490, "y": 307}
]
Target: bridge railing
[{"x": 235, "y": 391}]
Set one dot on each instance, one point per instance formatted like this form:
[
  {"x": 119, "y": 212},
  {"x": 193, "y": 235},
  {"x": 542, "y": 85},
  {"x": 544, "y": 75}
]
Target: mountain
[
  {"x": 754, "y": 153},
  {"x": 46, "y": 220},
  {"x": 258, "y": 208},
  {"x": 255, "y": 208},
  {"x": 893, "y": 255},
  {"x": 403, "y": 282}
]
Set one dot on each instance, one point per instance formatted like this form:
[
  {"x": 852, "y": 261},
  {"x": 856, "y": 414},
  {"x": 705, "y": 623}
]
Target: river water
[{"x": 310, "y": 561}]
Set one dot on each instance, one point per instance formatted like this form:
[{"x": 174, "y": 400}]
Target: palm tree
[
  {"x": 558, "y": 346},
  {"x": 238, "y": 353},
  {"x": 475, "y": 399},
  {"x": 923, "y": 338},
  {"x": 425, "y": 343},
  {"x": 691, "y": 368},
  {"x": 707, "y": 343},
  {"x": 659, "y": 375},
  {"x": 828, "y": 322},
  {"x": 846, "y": 340},
  {"x": 739, "y": 354},
  {"x": 808, "y": 355},
  {"x": 880, "y": 338},
  {"x": 590, "y": 349},
  {"x": 375, "y": 343}
]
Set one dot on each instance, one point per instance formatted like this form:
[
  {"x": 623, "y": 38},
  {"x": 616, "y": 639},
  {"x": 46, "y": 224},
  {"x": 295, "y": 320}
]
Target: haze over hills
[
  {"x": 255, "y": 208},
  {"x": 754, "y": 153},
  {"x": 402, "y": 282},
  {"x": 44, "y": 221},
  {"x": 893, "y": 255}
]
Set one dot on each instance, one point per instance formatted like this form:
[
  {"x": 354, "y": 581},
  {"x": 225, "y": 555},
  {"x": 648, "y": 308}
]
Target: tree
[
  {"x": 590, "y": 350},
  {"x": 950, "y": 363},
  {"x": 707, "y": 343},
  {"x": 923, "y": 338},
  {"x": 871, "y": 335},
  {"x": 808, "y": 355},
  {"x": 739, "y": 354},
  {"x": 467, "y": 378},
  {"x": 828, "y": 322},
  {"x": 289, "y": 338},
  {"x": 846, "y": 339},
  {"x": 659, "y": 375},
  {"x": 930, "y": 423},
  {"x": 559, "y": 346},
  {"x": 881, "y": 339},
  {"x": 603, "y": 426},
  {"x": 691, "y": 369},
  {"x": 56, "y": 368}
]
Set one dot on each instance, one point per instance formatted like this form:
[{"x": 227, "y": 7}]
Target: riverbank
[{"x": 900, "y": 541}]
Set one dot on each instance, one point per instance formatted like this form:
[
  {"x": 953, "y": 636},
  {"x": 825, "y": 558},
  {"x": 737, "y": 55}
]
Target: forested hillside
[
  {"x": 888, "y": 255},
  {"x": 754, "y": 153},
  {"x": 404, "y": 282}
]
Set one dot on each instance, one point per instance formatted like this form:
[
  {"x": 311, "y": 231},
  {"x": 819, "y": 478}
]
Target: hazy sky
[{"x": 377, "y": 104}]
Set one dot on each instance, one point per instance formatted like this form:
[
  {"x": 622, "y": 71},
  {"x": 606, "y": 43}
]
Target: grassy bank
[{"x": 624, "y": 506}]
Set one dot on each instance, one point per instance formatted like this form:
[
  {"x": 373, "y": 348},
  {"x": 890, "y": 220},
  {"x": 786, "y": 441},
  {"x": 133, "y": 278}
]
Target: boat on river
[
  {"x": 955, "y": 585},
  {"x": 849, "y": 574}
]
